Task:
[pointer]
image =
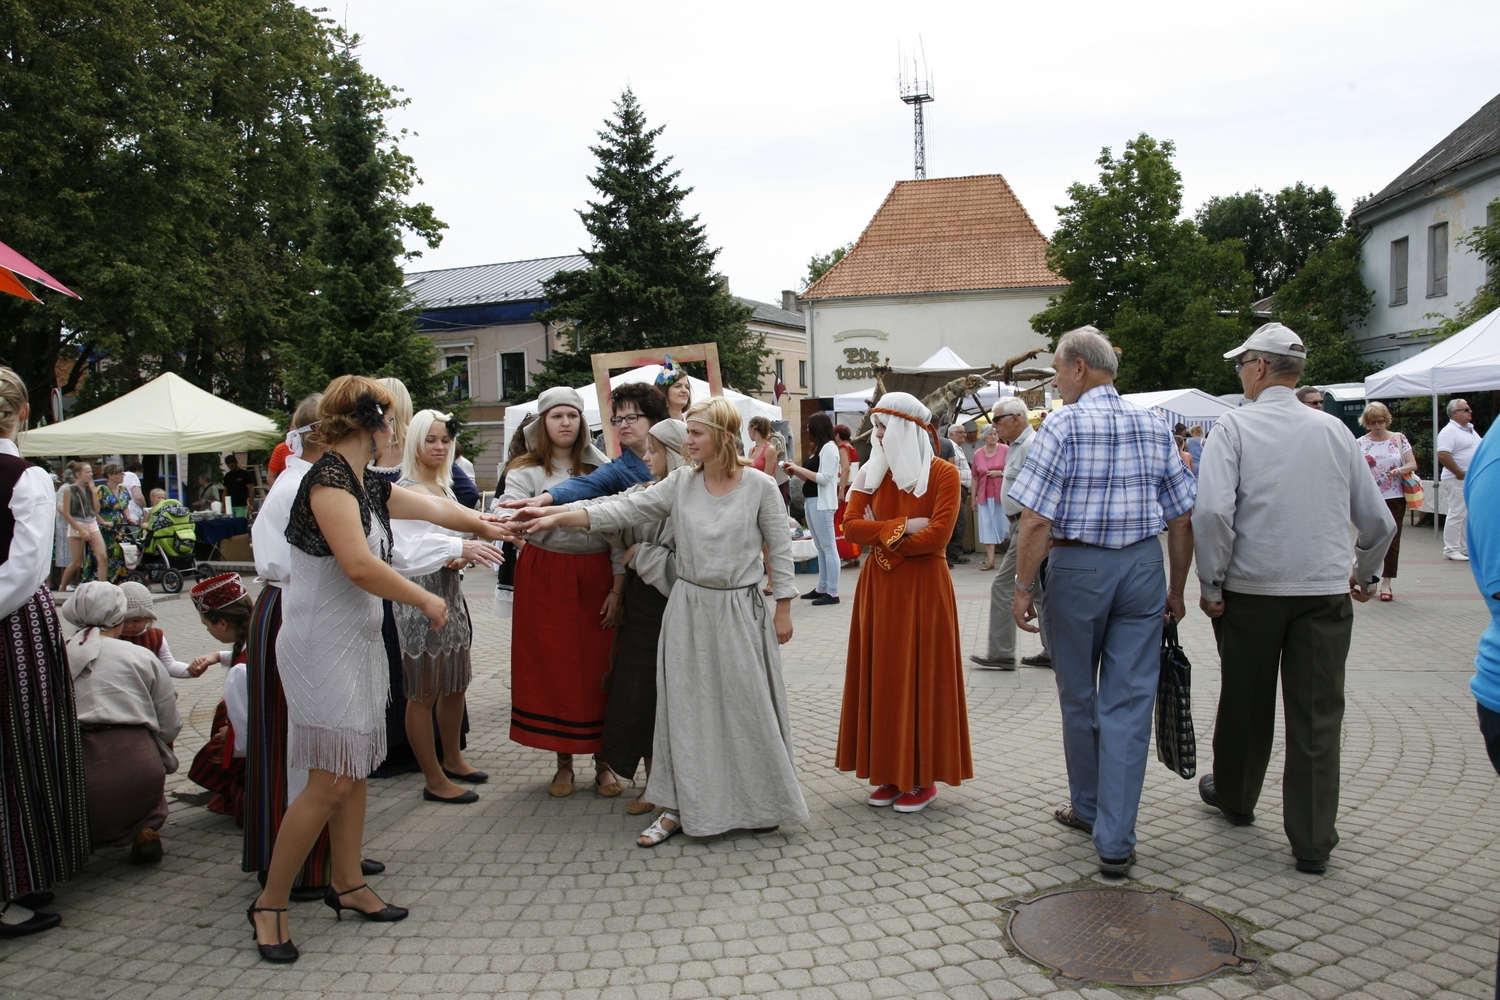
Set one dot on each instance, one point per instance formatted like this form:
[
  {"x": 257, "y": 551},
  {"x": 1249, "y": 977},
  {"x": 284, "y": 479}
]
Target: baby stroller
[{"x": 167, "y": 542}]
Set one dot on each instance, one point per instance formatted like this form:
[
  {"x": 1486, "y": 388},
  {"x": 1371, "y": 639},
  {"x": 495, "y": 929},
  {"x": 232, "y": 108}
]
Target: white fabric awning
[
  {"x": 1182, "y": 406},
  {"x": 1468, "y": 361},
  {"x": 166, "y": 416}
]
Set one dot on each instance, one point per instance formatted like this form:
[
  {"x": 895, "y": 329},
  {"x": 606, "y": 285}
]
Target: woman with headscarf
[
  {"x": 722, "y": 747},
  {"x": 905, "y": 725},
  {"x": 566, "y": 600},
  {"x": 42, "y": 790},
  {"x": 330, "y": 652},
  {"x": 127, "y": 709},
  {"x": 647, "y": 551}
]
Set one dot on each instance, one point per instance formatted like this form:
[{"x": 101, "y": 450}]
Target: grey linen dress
[{"x": 722, "y": 752}]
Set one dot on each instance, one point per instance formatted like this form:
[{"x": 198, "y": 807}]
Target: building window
[
  {"x": 1437, "y": 260},
  {"x": 1398, "y": 271},
  {"x": 781, "y": 371},
  {"x": 802, "y": 374},
  {"x": 457, "y": 368},
  {"x": 512, "y": 374}
]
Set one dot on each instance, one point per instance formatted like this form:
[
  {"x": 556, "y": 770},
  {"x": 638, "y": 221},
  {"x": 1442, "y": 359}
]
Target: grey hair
[
  {"x": 1090, "y": 346},
  {"x": 989, "y": 429},
  {"x": 1281, "y": 366},
  {"x": 1010, "y": 406},
  {"x": 1454, "y": 404}
]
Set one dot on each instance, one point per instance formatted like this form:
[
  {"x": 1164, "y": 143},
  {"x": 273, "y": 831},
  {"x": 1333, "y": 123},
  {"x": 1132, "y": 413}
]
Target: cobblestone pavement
[{"x": 523, "y": 895}]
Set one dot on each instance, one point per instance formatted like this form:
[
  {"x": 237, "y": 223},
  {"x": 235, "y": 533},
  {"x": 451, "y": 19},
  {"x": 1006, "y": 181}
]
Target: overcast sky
[{"x": 785, "y": 119}]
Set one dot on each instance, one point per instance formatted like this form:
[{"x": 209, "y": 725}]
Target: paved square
[{"x": 522, "y": 895}]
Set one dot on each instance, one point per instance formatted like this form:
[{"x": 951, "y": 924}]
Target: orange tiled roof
[{"x": 947, "y": 234}]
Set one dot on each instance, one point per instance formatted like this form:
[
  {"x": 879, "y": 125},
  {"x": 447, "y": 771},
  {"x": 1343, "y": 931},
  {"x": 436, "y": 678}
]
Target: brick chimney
[{"x": 789, "y": 300}]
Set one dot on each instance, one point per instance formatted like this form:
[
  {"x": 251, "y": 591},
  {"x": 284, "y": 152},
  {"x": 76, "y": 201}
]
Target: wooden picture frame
[{"x": 604, "y": 363}]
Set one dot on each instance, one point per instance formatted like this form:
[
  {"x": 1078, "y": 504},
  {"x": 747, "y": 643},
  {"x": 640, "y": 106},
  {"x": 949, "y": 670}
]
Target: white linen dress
[{"x": 722, "y": 754}]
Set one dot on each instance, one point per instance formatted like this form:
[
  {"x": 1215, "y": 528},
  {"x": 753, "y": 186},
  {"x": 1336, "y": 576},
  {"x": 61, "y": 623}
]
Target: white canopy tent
[
  {"x": 1182, "y": 406},
  {"x": 748, "y": 406},
  {"x": 166, "y": 416},
  {"x": 1468, "y": 361}
]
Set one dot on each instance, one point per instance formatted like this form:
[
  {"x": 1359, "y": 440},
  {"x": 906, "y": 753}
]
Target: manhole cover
[{"x": 1124, "y": 936}]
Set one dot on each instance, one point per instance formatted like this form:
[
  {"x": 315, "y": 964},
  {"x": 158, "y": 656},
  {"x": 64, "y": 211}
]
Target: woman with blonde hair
[
  {"x": 722, "y": 748},
  {"x": 436, "y": 661},
  {"x": 1389, "y": 457},
  {"x": 78, "y": 503},
  {"x": 330, "y": 651},
  {"x": 42, "y": 785},
  {"x": 567, "y": 597}
]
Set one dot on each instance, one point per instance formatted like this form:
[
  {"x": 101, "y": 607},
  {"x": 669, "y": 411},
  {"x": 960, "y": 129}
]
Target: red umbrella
[{"x": 13, "y": 264}]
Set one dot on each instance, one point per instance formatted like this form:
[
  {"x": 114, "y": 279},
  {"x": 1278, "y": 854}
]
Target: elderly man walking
[
  {"x": 1456, "y": 444},
  {"x": 1102, "y": 481},
  {"x": 1279, "y": 486},
  {"x": 1010, "y": 419}
]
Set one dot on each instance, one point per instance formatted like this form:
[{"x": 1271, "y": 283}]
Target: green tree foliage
[
  {"x": 361, "y": 321},
  {"x": 1484, "y": 241},
  {"x": 1167, "y": 298},
  {"x": 1277, "y": 233},
  {"x": 1325, "y": 301},
  {"x": 821, "y": 262},
  {"x": 155, "y": 155},
  {"x": 651, "y": 280}
]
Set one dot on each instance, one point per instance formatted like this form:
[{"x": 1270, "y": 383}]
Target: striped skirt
[
  {"x": 44, "y": 818},
  {"x": 265, "y": 748}
]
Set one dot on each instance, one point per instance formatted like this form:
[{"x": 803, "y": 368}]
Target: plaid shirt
[{"x": 1105, "y": 472}]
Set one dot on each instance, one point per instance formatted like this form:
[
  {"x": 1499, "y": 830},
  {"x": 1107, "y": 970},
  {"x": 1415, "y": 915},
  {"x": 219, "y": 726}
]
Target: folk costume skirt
[
  {"x": 630, "y": 716},
  {"x": 44, "y": 820},
  {"x": 216, "y": 768},
  {"x": 559, "y": 654},
  {"x": 127, "y": 785},
  {"x": 266, "y": 779}
]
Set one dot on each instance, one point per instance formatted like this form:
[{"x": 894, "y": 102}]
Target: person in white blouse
[
  {"x": 824, "y": 475},
  {"x": 48, "y": 841}
]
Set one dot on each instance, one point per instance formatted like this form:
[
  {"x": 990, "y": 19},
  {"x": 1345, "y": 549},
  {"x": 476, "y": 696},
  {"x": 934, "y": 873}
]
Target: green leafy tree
[
  {"x": 820, "y": 264},
  {"x": 1167, "y": 298},
  {"x": 1277, "y": 233},
  {"x": 155, "y": 155},
  {"x": 650, "y": 280},
  {"x": 1325, "y": 302},
  {"x": 360, "y": 319}
]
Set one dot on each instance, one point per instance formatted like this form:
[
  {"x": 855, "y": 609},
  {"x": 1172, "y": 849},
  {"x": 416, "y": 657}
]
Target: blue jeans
[
  {"x": 820, "y": 522},
  {"x": 1103, "y": 627}
]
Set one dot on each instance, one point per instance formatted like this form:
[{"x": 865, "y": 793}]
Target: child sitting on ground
[
  {"x": 224, "y": 608},
  {"x": 140, "y": 613}
]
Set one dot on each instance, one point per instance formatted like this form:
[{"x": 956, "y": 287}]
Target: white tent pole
[{"x": 1437, "y": 472}]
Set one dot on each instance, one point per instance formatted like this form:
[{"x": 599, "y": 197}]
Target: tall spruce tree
[
  {"x": 359, "y": 319},
  {"x": 651, "y": 280}
]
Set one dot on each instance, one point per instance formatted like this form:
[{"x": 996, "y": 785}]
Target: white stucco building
[
  {"x": 950, "y": 262},
  {"x": 1411, "y": 256}
]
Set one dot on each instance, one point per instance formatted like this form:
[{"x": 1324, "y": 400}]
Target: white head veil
[{"x": 905, "y": 452}]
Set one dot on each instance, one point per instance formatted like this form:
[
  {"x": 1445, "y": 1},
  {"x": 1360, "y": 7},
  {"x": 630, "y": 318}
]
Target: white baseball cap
[{"x": 1272, "y": 338}]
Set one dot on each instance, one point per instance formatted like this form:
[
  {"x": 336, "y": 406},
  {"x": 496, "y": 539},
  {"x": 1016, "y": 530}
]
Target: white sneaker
[{"x": 1456, "y": 556}]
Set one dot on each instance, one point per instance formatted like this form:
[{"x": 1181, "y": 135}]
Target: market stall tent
[
  {"x": 748, "y": 406},
  {"x": 1182, "y": 406},
  {"x": 166, "y": 416}
]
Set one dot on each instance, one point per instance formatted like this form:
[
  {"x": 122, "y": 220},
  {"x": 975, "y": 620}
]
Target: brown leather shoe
[{"x": 147, "y": 849}]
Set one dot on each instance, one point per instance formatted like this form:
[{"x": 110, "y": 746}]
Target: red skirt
[{"x": 558, "y": 653}]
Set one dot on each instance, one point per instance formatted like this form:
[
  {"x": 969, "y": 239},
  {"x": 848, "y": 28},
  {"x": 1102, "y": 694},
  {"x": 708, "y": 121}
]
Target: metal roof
[
  {"x": 766, "y": 312},
  {"x": 485, "y": 284},
  {"x": 1475, "y": 139}
]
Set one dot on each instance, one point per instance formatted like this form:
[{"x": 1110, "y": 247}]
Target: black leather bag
[{"x": 1176, "y": 745}]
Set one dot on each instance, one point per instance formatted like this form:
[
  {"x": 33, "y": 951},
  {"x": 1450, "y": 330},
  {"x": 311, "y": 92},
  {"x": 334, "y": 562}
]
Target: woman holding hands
[
  {"x": 330, "y": 651},
  {"x": 722, "y": 749}
]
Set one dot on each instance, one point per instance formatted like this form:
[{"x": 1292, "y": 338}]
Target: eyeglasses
[
  {"x": 629, "y": 418},
  {"x": 1240, "y": 364}
]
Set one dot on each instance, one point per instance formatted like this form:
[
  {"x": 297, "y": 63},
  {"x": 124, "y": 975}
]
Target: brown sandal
[
  {"x": 639, "y": 806},
  {"x": 606, "y": 789},
  {"x": 562, "y": 789}
]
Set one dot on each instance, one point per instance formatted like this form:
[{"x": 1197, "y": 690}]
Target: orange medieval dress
[{"x": 905, "y": 721}]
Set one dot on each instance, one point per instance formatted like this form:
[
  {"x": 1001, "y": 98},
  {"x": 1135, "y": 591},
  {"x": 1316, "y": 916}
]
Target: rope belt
[{"x": 757, "y": 606}]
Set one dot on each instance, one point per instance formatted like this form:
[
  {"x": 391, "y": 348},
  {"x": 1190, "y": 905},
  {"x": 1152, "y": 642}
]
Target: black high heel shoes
[
  {"x": 283, "y": 952},
  {"x": 386, "y": 914}
]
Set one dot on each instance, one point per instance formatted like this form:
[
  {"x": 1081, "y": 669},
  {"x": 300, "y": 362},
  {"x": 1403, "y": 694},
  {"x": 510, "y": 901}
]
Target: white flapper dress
[{"x": 330, "y": 651}]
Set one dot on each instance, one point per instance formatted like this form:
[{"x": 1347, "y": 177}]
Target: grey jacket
[
  {"x": 1278, "y": 488},
  {"x": 1015, "y": 459}
]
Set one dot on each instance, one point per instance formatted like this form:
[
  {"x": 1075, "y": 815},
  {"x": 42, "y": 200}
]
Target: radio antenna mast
[{"x": 915, "y": 83}]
